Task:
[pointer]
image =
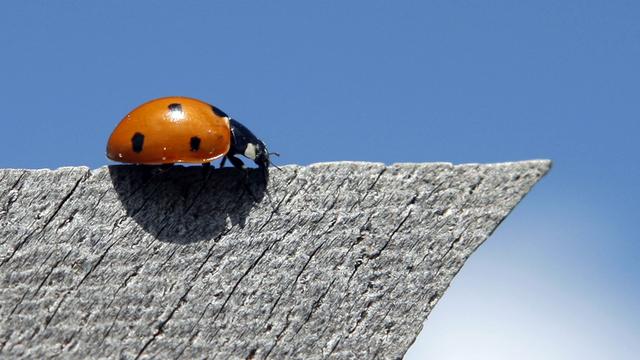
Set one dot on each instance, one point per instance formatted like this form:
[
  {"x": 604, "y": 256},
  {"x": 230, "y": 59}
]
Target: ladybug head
[
  {"x": 261, "y": 155},
  {"x": 243, "y": 142}
]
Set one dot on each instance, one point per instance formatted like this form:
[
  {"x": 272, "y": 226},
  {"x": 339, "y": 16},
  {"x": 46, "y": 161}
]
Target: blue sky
[{"x": 418, "y": 81}]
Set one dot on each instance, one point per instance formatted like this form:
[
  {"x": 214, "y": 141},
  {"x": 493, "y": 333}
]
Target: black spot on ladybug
[
  {"x": 218, "y": 112},
  {"x": 195, "y": 143},
  {"x": 137, "y": 141},
  {"x": 175, "y": 107}
]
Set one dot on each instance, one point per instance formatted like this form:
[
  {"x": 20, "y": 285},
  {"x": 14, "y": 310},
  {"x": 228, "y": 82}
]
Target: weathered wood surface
[{"x": 340, "y": 260}]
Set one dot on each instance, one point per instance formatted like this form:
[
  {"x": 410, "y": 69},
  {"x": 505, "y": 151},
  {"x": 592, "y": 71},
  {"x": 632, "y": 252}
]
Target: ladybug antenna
[{"x": 271, "y": 162}]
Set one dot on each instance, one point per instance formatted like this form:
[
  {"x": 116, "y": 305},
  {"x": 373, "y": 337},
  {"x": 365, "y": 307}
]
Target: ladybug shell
[{"x": 171, "y": 130}]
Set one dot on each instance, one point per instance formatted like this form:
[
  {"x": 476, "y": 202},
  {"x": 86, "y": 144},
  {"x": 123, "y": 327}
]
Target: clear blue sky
[{"x": 418, "y": 81}]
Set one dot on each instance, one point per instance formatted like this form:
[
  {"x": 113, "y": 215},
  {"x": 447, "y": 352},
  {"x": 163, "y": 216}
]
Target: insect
[{"x": 177, "y": 129}]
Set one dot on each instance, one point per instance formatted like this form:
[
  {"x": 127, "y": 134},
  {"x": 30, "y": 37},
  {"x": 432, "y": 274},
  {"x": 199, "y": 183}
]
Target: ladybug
[{"x": 177, "y": 129}]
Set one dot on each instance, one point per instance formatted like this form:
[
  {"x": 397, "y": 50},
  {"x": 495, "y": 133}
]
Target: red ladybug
[{"x": 180, "y": 129}]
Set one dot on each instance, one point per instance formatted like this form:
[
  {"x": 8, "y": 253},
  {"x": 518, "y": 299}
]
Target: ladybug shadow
[{"x": 187, "y": 204}]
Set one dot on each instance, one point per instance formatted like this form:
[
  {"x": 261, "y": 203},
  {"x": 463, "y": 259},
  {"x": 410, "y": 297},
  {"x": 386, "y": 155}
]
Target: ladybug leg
[
  {"x": 206, "y": 168},
  {"x": 224, "y": 160},
  {"x": 237, "y": 163}
]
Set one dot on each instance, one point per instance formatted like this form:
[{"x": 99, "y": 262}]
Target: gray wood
[{"x": 340, "y": 260}]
